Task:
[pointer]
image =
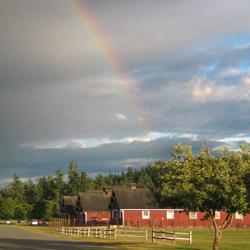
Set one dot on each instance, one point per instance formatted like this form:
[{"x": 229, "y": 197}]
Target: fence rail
[
  {"x": 114, "y": 233},
  {"x": 93, "y": 232},
  {"x": 143, "y": 234},
  {"x": 171, "y": 236},
  {"x": 103, "y": 232}
]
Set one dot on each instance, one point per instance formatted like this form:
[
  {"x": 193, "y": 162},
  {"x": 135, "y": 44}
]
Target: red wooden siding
[
  {"x": 158, "y": 218},
  {"x": 98, "y": 217}
]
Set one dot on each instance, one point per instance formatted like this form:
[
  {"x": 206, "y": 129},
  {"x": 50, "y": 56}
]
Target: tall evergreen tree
[{"x": 74, "y": 181}]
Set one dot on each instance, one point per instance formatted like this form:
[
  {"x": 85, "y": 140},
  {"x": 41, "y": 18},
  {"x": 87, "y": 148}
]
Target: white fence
[
  {"x": 92, "y": 232},
  {"x": 171, "y": 236},
  {"x": 114, "y": 233},
  {"x": 103, "y": 232}
]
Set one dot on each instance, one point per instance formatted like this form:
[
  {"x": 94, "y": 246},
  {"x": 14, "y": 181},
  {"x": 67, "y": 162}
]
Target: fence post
[
  {"x": 190, "y": 237},
  {"x": 146, "y": 236},
  {"x": 174, "y": 236},
  {"x": 115, "y": 234},
  {"x": 153, "y": 236}
]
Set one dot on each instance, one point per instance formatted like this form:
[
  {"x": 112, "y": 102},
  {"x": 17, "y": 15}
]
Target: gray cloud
[
  {"x": 60, "y": 83},
  {"x": 109, "y": 158}
]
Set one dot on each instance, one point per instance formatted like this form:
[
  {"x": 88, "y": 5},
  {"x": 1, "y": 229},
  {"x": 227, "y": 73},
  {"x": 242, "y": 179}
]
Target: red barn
[
  {"x": 134, "y": 207},
  {"x": 137, "y": 207},
  {"x": 93, "y": 207}
]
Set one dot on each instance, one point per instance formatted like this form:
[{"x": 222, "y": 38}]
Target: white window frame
[
  {"x": 217, "y": 215},
  {"x": 170, "y": 214},
  {"x": 145, "y": 216},
  {"x": 193, "y": 215},
  {"x": 238, "y": 216}
]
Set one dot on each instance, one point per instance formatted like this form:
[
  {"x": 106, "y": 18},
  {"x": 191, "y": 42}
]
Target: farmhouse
[{"x": 93, "y": 207}]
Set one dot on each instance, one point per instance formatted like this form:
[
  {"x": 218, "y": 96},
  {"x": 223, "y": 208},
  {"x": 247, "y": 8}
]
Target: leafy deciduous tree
[{"x": 205, "y": 183}]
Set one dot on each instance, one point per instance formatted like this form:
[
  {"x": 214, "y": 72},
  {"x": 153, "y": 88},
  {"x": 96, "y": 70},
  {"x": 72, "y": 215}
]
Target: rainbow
[{"x": 101, "y": 42}]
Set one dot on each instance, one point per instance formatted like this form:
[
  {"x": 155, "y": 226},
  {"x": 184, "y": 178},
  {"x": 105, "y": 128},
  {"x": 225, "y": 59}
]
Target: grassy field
[{"x": 232, "y": 239}]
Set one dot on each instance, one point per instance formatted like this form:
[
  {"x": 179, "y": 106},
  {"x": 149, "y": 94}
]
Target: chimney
[
  {"x": 132, "y": 185},
  {"x": 108, "y": 190}
]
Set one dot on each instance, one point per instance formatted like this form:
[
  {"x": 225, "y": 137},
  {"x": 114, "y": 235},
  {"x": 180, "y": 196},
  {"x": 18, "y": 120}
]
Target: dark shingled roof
[
  {"x": 94, "y": 200},
  {"x": 69, "y": 204},
  {"x": 139, "y": 198}
]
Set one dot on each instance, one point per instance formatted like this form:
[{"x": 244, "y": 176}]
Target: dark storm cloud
[{"x": 112, "y": 158}]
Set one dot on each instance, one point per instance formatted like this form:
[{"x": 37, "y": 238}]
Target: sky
[{"x": 116, "y": 83}]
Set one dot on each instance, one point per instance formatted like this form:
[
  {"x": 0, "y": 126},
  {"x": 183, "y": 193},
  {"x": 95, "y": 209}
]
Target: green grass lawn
[{"x": 232, "y": 239}]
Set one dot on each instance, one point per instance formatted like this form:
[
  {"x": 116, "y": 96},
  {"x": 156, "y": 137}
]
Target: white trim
[
  {"x": 122, "y": 211},
  {"x": 155, "y": 209},
  {"x": 86, "y": 217}
]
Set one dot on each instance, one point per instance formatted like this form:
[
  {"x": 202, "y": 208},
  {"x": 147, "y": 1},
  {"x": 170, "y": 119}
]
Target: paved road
[{"x": 12, "y": 238}]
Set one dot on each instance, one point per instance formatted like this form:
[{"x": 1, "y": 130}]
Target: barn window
[
  {"x": 145, "y": 214},
  {"x": 170, "y": 214},
  {"x": 238, "y": 216},
  {"x": 217, "y": 215},
  {"x": 193, "y": 215}
]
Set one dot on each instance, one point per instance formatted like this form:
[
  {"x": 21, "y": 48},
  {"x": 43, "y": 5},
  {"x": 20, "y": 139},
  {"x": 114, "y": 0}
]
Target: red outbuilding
[{"x": 93, "y": 207}]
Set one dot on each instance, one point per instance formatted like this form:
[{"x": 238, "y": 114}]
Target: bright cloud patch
[
  {"x": 201, "y": 91},
  {"x": 57, "y": 144},
  {"x": 206, "y": 90},
  {"x": 95, "y": 142},
  {"x": 246, "y": 81},
  {"x": 121, "y": 117}
]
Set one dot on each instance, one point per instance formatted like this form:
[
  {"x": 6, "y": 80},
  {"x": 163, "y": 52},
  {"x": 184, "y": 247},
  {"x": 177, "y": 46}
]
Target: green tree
[
  {"x": 144, "y": 180},
  {"x": 73, "y": 179},
  {"x": 30, "y": 194},
  {"x": 60, "y": 186},
  {"x": 16, "y": 189},
  {"x": 99, "y": 181},
  {"x": 22, "y": 211},
  {"x": 59, "y": 183},
  {"x": 205, "y": 183},
  {"x": 50, "y": 210},
  {"x": 7, "y": 208},
  {"x": 85, "y": 182}
]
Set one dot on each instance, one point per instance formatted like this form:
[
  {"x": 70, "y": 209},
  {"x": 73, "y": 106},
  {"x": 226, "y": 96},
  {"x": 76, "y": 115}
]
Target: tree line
[{"x": 27, "y": 199}]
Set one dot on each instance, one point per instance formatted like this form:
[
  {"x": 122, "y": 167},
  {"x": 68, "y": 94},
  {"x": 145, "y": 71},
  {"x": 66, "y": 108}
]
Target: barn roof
[
  {"x": 138, "y": 198},
  {"x": 70, "y": 200},
  {"x": 94, "y": 200},
  {"x": 69, "y": 204}
]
